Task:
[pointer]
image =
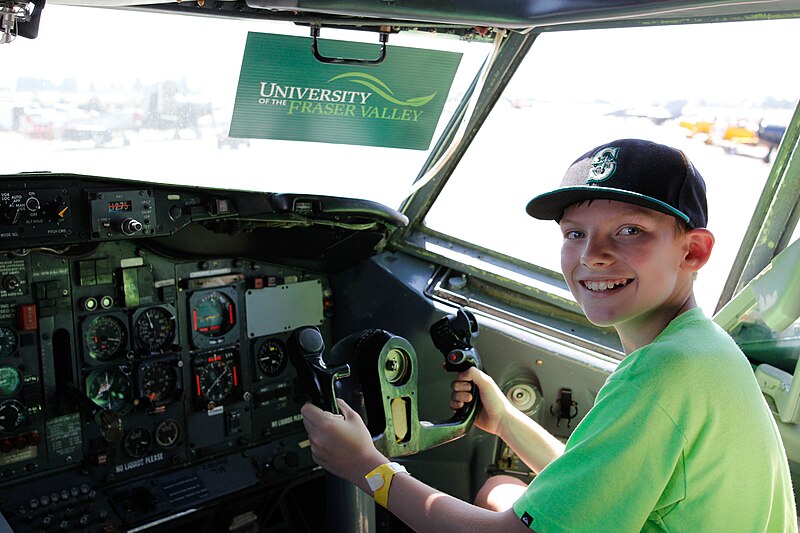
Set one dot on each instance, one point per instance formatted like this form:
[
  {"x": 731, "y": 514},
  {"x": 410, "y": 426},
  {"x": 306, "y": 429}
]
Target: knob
[
  {"x": 11, "y": 283},
  {"x": 130, "y": 226},
  {"x": 32, "y": 204},
  {"x": 310, "y": 341}
]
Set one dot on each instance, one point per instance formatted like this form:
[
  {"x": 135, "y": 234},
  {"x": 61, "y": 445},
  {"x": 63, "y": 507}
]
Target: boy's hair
[{"x": 633, "y": 171}]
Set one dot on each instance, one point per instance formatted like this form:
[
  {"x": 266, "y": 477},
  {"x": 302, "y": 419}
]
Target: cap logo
[{"x": 604, "y": 164}]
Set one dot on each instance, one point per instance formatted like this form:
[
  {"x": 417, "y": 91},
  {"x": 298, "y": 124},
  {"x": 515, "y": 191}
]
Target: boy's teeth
[{"x": 604, "y": 285}]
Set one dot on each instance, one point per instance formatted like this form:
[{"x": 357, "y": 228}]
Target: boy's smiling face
[{"x": 626, "y": 265}]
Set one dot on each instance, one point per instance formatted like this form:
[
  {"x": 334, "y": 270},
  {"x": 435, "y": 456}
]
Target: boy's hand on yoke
[
  {"x": 494, "y": 405},
  {"x": 341, "y": 444}
]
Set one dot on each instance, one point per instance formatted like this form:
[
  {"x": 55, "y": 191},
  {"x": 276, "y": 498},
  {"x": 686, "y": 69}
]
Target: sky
[{"x": 662, "y": 61}]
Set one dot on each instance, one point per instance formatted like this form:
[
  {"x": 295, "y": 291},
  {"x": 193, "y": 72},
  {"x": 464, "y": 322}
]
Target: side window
[
  {"x": 688, "y": 86},
  {"x": 796, "y": 234}
]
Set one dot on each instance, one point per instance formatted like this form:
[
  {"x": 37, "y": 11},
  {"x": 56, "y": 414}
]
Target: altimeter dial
[
  {"x": 105, "y": 337},
  {"x": 154, "y": 329},
  {"x": 158, "y": 381}
]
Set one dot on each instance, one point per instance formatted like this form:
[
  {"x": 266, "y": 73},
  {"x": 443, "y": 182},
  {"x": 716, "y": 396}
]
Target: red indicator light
[{"x": 27, "y": 317}]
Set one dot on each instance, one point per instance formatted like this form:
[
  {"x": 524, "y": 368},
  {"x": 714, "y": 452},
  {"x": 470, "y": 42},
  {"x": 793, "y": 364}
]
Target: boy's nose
[{"x": 596, "y": 253}]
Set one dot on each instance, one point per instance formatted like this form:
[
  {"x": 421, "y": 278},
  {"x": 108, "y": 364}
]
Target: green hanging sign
[{"x": 285, "y": 93}]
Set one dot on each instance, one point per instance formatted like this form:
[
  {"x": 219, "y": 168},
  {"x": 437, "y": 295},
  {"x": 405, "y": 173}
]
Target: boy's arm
[
  {"x": 424, "y": 509},
  {"x": 533, "y": 444},
  {"x": 343, "y": 446}
]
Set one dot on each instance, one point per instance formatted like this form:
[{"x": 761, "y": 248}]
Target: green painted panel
[{"x": 284, "y": 93}]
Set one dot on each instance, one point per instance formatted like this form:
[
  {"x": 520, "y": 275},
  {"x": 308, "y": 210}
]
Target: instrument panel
[{"x": 138, "y": 385}]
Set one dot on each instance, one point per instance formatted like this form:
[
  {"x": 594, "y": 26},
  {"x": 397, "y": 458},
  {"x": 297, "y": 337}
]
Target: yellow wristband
[{"x": 380, "y": 479}]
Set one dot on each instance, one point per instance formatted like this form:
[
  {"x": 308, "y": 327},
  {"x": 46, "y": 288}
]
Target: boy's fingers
[
  {"x": 467, "y": 375},
  {"x": 315, "y": 419},
  {"x": 310, "y": 412},
  {"x": 460, "y": 397},
  {"x": 462, "y": 385},
  {"x": 345, "y": 409}
]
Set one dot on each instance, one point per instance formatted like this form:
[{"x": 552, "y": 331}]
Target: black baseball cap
[{"x": 634, "y": 171}]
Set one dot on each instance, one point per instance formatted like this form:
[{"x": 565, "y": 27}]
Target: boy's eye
[
  {"x": 573, "y": 234},
  {"x": 630, "y": 230}
]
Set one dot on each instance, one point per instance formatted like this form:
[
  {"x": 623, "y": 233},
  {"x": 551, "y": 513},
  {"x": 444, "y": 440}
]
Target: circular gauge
[
  {"x": 12, "y": 415},
  {"x": 396, "y": 366},
  {"x": 137, "y": 442},
  {"x": 271, "y": 357},
  {"x": 9, "y": 341},
  {"x": 168, "y": 433},
  {"x": 154, "y": 329},
  {"x": 158, "y": 381},
  {"x": 10, "y": 380},
  {"x": 105, "y": 337},
  {"x": 213, "y": 315},
  {"x": 110, "y": 389},
  {"x": 215, "y": 380}
]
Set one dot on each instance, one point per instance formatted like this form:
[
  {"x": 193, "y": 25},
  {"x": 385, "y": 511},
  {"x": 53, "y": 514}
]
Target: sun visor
[{"x": 285, "y": 93}]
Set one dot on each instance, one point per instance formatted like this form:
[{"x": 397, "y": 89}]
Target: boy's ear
[{"x": 699, "y": 243}]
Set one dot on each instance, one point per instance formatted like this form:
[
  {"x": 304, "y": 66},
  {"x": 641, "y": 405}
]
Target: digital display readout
[{"x": 120, "y": 206}]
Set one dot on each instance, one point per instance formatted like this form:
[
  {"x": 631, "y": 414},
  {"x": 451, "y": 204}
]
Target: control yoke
[
  {"x": 382, "y": 383},
  {"x": 453, "y": 336},
  {"x": 305, "y": 348}
]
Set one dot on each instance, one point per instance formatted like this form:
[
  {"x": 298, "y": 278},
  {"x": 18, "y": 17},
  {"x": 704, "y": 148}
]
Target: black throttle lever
[
  {"x": 453, "y": 336},
  {"x": 305, "y": 346}
]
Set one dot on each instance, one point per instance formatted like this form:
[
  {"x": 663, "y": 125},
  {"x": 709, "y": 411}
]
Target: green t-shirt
[{"x": 680, "y": 439}]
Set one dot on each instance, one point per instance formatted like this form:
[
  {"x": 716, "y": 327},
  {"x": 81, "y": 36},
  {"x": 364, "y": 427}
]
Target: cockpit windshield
[{"x": 161, "y": 110}]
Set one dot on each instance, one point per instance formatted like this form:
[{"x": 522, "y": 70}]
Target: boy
[{"x": 680, "y": 437}]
